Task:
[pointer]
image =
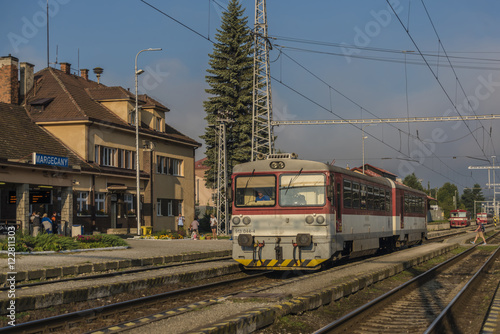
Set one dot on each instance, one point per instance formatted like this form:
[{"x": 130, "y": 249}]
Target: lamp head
[{"x": 139, "y": 72}]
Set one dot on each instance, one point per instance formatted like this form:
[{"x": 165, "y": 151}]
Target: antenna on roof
[
  {"x": 48, "y": 33},
  {"x": 98, "y": 71},
  {"x": 57, "y": 54}
]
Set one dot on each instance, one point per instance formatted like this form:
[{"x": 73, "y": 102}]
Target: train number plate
[{"x": 243, "y": 230}]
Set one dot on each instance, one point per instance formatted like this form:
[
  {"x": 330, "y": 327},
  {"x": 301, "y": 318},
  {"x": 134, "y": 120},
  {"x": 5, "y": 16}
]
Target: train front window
[
  {"x": 302, "y": 189},
  {"x": 255, "y": 190}
]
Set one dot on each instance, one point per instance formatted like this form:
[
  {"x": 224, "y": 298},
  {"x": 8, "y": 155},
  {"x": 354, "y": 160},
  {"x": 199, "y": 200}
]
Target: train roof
[{"x": 295, "y": 165}]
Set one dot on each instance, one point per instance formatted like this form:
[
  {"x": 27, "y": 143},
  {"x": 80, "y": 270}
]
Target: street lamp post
[{"x": 137, "y": 170}]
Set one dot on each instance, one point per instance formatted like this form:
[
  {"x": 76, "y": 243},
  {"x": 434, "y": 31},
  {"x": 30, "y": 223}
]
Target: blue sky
[{"x": 109, "y": 34}]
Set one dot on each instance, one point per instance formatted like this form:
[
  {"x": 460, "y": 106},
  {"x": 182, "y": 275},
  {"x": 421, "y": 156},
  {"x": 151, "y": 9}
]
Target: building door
[{"x": 112, "y": 211}]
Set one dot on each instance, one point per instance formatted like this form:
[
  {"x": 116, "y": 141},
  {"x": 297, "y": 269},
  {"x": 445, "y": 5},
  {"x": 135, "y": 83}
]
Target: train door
[
  {"x": 402, "y": 209},
  {"x": 339, "y": 201}
]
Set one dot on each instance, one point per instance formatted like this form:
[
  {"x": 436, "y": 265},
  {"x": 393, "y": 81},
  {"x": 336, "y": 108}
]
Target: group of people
[
  {"x": 46, "y": 224},
  {"x": 195, "y": 224}
]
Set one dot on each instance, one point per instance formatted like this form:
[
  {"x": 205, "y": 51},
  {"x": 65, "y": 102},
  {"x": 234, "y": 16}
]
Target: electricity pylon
[{"x": 262, "y": 114}]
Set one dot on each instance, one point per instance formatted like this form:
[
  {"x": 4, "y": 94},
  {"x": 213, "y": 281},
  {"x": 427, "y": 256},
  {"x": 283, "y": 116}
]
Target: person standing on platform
[
  {"x": 213, "y": 226},
  {"x": 180, "y": 222},
  {"x": 194, "y": 226},
  {"x": 47, "y": 224},
  {"x": 54, "y": 223}
]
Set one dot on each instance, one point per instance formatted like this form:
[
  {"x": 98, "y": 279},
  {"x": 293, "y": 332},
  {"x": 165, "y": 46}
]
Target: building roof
[
  {"x": 375, "y": 171},
  {"x": 20, "y": 137},
  {"x": 75, "y": 98},
  {"x": 200, "y": 164}
]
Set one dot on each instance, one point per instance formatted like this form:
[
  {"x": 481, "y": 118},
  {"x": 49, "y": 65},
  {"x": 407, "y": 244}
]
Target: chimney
[
  {"x": 84, "y": 73},
  {"x": 9, "y": 84},
  {"x": 66, "y": 67},
  {"x": 27, "y": 80}
]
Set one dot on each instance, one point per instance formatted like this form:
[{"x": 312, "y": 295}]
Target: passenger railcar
[
  {"x": 459, "y": 218},
  {"x": 296, "y": 214},
  {"x": 485, "y": 218}
]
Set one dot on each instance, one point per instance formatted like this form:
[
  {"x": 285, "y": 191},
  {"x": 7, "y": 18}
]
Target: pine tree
[{"x": 230, "y": 79}]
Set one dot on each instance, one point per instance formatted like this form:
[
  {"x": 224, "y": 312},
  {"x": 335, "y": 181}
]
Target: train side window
[
  {"x": 376, "y": 200},
  {"x": 363, "y": 196},
  {"x": 369, "y": 199},
  {"x": 388, "y": 201},
  {"x": 347, "y": 194},
  {"x": 382, "y": 200},
  {"x": 355, "y": 195}
]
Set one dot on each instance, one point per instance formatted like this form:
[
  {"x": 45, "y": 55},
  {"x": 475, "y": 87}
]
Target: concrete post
[
  {"x": 23, "y": 206},
  {"x": 66, "y": 210}
]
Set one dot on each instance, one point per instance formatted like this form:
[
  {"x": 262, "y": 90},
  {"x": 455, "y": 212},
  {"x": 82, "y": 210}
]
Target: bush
[
  {"x": 54, "y": 242},
  {"x": 100, "y": 241}
]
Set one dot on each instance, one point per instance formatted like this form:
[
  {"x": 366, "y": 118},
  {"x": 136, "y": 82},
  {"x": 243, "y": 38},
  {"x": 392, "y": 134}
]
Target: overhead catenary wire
[
  {"x": 356, "y": 104},
  {"x": 434, "y": 74},
  {"x": 464, "y": 60},
  {"x": 297, "y": 92}
]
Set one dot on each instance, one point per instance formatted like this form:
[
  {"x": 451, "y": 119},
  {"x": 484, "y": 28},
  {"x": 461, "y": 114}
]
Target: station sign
[{"x": 51, "y": 160}]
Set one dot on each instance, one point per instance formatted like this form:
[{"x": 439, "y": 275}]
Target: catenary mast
[{"x": 262, "y": 133}]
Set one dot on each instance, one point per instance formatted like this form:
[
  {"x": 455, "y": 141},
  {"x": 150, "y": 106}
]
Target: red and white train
[
  {"x": 485, "y": 218},
  {"x": 296, "y": 214},
  {"x": 459, "y": 218}
]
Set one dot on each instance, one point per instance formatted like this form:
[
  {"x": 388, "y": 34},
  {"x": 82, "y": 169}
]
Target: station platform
[{"x": 142, "y": 252}]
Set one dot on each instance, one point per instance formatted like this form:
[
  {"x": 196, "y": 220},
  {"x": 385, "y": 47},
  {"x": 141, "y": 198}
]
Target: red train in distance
[
  {"x": 459, "y": 218},
  {"x": 484, "y": 218}
]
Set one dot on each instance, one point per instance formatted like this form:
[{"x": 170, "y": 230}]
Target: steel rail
[
  {"x": 78, "y": 316},
  {"x": 116, "y": 273},
  {"x": 348, "y": 319},
  {"x": 443, "y": 322}
]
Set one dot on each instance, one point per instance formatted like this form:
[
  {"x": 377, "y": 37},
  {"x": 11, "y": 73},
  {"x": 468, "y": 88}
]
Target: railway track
[
  {"x": 430, "y": 303},
  {"x": 113, "y": 273},
  {"x": 103, "y": 316}
]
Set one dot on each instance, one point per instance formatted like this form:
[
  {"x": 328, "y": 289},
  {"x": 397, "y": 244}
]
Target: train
[
  {"x": 459, "y": 218},
  {"x": 293, "y": 214},
  {"x": 485, "y": 218}
]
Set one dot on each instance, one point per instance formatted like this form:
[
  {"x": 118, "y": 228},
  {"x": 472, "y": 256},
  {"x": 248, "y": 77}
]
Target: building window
[
  {"x": 158, "y": 207},
  {"x": 114, "y": 157},
  {"x": 168, "y": 207},
  {"x": 169, "y": 166},
  {"x": 175, "y": 167},
  {"x": 161, "y": 165},
  {"x": 132, "y": 117},
  {"x": 158, "y": 123},
  {"x": 128, "y": 199},
  {"x": 82, "y": 205},
  {"x": 108, "y": 156},
  {"x": 100, "y": 204}
]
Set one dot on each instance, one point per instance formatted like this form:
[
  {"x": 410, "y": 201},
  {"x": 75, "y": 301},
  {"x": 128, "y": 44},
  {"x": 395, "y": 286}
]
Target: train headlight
[
  {"x": 247, "y": 220},
  {"x": 277, "y": 165},
  {"x": 309, "y": 219},
  {"x": 303, "y": 239},
  {"x": 236, "y": 220},
  {"x": 245, "y": 240},
  {"x": 320, "y": 219}
]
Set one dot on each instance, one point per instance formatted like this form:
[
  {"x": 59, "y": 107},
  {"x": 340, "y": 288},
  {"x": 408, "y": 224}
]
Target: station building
[{"x": 68, "y": 146}]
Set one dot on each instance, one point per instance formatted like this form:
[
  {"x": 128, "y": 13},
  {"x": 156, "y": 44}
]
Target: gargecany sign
[{"x": 51, "y": 160}]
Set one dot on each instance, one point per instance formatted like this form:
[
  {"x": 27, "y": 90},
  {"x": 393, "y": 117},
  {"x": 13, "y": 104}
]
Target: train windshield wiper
[
  {"x": 248, "y": 181},
  {"x": 293, "y": 180}
]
